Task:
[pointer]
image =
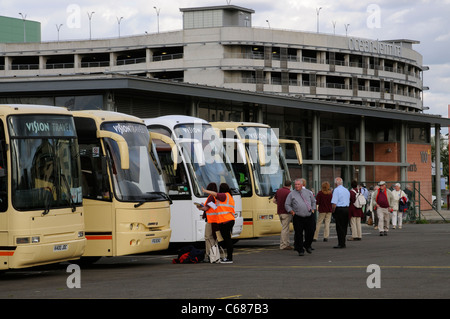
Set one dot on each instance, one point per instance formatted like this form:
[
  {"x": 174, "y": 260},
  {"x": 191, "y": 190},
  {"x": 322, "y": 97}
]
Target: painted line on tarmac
[
  {"x": 340, "y": 267},
  {"x": 231, "y": 297}
]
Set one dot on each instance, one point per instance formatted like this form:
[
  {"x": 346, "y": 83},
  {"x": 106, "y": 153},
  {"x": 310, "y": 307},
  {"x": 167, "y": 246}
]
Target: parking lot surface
[{"x": 411, "y": 263}]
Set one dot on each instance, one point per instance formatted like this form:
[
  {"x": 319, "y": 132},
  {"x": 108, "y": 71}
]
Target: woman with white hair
[{"x": 397, "y": 214}]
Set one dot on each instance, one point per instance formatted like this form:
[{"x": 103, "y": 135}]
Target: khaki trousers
[
  {"x": 326, "y": 231},
  {"x": 355, "y": 223},
  {"x": 383, "y": 219},
  {"x": 209, "y": 238},
  {"x": 285, "y": 220}
]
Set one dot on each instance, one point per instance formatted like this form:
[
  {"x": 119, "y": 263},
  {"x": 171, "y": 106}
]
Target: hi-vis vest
[
  {"x": 224, "y": 211},
  {"x": 211, "y": 215}
]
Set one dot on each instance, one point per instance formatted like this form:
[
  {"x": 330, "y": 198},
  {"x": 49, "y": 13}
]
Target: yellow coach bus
[
  {"x": 41, "y": 213},
  {"x": 259, "y": 175},
  {"x": 127, "y": 210}
]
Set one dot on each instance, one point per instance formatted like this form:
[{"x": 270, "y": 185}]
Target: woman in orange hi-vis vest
[{"x": 223, "y": 217}]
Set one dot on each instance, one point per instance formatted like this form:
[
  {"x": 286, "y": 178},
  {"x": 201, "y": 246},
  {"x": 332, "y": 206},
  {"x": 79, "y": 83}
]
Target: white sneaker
[{"x": 226, "y": 261}]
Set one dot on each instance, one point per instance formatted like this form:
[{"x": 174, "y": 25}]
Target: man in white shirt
[{"x": 340, "y": 202}]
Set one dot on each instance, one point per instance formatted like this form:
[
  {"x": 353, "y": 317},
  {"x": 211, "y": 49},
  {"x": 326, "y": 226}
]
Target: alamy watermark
[
  {"x": 374, "y": 19},
  {"x": 374, "y": 279},
  {"x": 74, "y": 279}
]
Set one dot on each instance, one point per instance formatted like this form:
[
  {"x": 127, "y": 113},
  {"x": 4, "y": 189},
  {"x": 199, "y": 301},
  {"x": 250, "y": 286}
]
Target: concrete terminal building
[{"x": 329, "y": 92}]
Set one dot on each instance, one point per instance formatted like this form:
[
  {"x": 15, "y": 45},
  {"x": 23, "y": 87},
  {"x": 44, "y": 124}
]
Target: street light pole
[
  {"x": 346, "y": 28},
  {"x": 90, "y": 18},
  {"x": 318, "y": 11},
  {"x": 157, "y": 15},
  {"x": 58, "y": 27},
  {"x": 118, "y": 23},
  {"x": 24, "y": 32}
]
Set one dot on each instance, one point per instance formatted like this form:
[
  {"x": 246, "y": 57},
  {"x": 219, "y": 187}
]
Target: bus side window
[{"x": 3, "y": 172}]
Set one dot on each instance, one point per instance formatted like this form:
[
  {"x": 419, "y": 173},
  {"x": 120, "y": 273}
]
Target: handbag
[{"x": 215, "y": 253}]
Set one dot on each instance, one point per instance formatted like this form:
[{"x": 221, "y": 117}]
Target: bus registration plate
[
  {"x": 156, "y": 241},
  {"x": 62, "y": 247}
]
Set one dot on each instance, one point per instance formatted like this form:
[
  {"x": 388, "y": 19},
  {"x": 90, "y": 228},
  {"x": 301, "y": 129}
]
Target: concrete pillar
[
  {"x": 403, "y": 152},
  {"x": 112, "y": 59},
  {"x": 194, "y": 108},
  {"x": 437, "y": 138},
  {"x": 316, "y": 152},
  {"x": 8, "y": 62},
  {"x": 77, "y": 61},
  {"x": 362, "y": 149},
  {"x": 42, "y": 62}
]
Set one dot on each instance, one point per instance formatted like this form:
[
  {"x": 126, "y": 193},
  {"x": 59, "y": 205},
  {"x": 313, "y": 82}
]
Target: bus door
[
  {"x": 97, "y": 200},
  {"x": 176, "y": 180}
]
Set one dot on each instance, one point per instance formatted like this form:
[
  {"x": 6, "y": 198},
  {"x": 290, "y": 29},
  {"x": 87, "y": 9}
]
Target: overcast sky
[{"x": 426, "y": 21}]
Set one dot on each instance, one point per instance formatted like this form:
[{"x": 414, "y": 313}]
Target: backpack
[
  {"x": 360, "y": 200},
  {"x": 189, "y": 255}
]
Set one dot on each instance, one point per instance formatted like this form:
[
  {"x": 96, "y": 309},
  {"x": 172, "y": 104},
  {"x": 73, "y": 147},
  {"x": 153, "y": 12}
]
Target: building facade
[{"x": 355, "y": 105}]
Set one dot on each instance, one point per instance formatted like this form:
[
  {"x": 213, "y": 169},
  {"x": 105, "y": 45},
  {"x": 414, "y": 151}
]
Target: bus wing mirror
[
  {"x": 123, "y": 146},
  {"x": 261, "y": 151},
  {"x": 298, "y": 149},
  {"x": 167, "y": 140}
]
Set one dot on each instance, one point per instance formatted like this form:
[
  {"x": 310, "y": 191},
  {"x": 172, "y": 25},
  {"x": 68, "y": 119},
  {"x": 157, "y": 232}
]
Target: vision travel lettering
[{"x": 38, "y": 127}]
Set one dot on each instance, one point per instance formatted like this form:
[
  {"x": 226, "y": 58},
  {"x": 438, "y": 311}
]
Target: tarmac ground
[{"x": 411, "y": 263}]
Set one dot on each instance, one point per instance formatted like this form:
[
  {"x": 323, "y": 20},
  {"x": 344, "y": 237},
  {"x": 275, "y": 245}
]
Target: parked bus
[
  {"x": 259, "y": 175},
  {"x": 202, "y": 160},
  {"x": 127, "y": 210},
  {"x": 41, "y": 213}
]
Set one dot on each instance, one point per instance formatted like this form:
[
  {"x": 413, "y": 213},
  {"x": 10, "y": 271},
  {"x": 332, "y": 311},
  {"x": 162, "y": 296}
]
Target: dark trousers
[
  {"x": 226, "y": 230},
  {"x": 340, "y": 216},
  {"x": 302, "y": 225}
]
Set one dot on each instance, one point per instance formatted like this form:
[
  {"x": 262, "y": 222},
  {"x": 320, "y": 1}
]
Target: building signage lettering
[
  {"x": 370, "y": 46},
  {"x": 424, "y": 157}
]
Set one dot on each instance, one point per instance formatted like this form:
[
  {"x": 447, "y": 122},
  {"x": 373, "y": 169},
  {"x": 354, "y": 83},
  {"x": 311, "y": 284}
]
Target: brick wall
[{"x": 419, "y": 158}]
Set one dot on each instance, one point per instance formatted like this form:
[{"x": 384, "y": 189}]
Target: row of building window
[
  {"x": 321, "y": 57},
  {"x": 88, "y": 62}
]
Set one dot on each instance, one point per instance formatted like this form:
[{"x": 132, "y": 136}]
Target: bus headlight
[
  {"x": 80, "y": 234},
  {"x": 22, "y": 240},
  {"x": 27, "y": 240}
]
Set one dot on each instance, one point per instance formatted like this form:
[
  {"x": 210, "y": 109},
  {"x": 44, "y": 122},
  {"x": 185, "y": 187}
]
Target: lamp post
[
  {"x": 24, "y": 16},
  {"x": 58, "y": 27},
  {"x": 90, "y": 29},
  {"x": 118, "y": 23},
  {"x": 157, "y": 15},
  {"x": 318, "y": 11},
  {"x": 346, "y": 28}
]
